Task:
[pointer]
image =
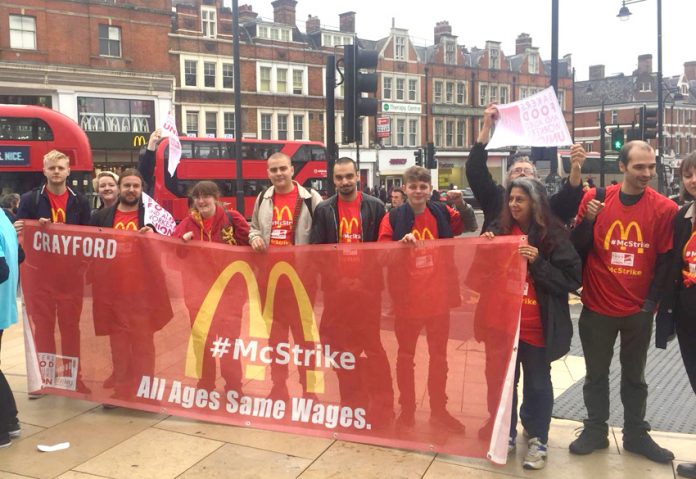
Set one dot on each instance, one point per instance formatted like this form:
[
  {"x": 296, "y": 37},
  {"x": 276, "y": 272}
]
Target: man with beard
[
  {"x": 132, "y": 305},
  {"x": 352, "y": 217},
  {"x": 55, "y": 202}
]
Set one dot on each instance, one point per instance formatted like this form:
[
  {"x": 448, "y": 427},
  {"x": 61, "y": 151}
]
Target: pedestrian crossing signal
[{"x": 617, "y": 138}]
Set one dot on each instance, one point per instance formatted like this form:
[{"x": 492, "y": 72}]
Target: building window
[
  {"x": 533, "y": 63},
  {"x": 449, "y": 92},
  {"x": 208, "y": 22},
  {"x": 298, "y": 126},
  {"x": 483, "y": 95},
  {"x": 614, "y": 117},
  {"x": 297, "y": 82},
  {"x": 461, "y": 133},
  {"x": 265, "y": 79},
  {"x": 437, "y": 95},
  {"x": 227, "y": 75},
  {"x": 461, "y": 93},
  {"x": 266, "y": 126},
  {"x": 192, "y": 123},
  {"x": 493, "y": 98},
  {"x": 190, "y": 67},
  {"x": 211, "y": 124},
  {"x": 504, "y": 94},
  {"x": 282, "y": 80},
  {"x": 412, "y": 132},
  {"x": 561, "y": 99},
  {"x": 228, "y": 124},
  {"x": 387, "y": 88},
  {"x": 115, "y": 115},
  {"x": 400, "y": 48},
  {"x": 413, "y": 90},
  {"x": 495, "y": 59},
  {"x": 450, "y": 53},
  {"x": 400, "y": 132},
  {"x": 438, "y": 133},
  {"x": 263, "y": 31},
  {"x": 449, "y": 137},
  {"x": 209, "y": 74},
  {"x": 400, "y": 88},
  {"x": 645, "y": 86},
  {"x": 109, "y": 41},
  {"x": 282, "y": 127},
  {"x": 22, "y": 32}
]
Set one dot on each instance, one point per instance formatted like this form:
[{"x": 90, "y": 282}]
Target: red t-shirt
[
  {"x": 207, "y": 228},
  {"x": 627, "y": 240},
  {"x": 349, "y": 221},
  {"x": 282, "y": 224},
  {"x": 689, "y": 260},
  {"x": 531, "y": 329},
  {"x": 419, "y": 227},
  {"x": 126, "y": 220},
  {"x": 59, "y": 206}
]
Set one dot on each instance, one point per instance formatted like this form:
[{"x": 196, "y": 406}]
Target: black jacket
[
  {"x": 555, "y": 273},
  {"x": 325, "y": 220},
  {"x": 491, "y": 195},
  {"x": 676, "y": 300},
  {"x": 35, "y": 204},
  {"x": 402, "y": 219}
]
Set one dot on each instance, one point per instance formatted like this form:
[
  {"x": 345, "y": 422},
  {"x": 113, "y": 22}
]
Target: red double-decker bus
[
  {"x": 214, "y": 159},
  {"x": 27, "y": 133}
]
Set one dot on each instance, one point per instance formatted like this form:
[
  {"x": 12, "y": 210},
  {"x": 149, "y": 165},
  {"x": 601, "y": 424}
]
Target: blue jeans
[{"x": 537, "y": 392}]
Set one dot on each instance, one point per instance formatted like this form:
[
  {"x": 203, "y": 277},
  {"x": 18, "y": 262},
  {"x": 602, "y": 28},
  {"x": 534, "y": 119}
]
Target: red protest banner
[{"x": 388, "y": 344}]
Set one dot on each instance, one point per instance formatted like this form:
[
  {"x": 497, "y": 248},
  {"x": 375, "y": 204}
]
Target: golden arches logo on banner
[
  {"x": 347, "y": 226},
  {"x": 260, "y": 319},
  {"x": 126, "y": 226},
  {"x": 138, "y": 141},
  {"x": 425, "y": 234},
  {"x": 279, "y": 213},
  {"x": 623, "y": 234},
  {"x": 58, "y": 216}
]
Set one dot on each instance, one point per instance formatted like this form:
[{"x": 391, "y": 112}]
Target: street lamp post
[{"x": 624, "y": 14}]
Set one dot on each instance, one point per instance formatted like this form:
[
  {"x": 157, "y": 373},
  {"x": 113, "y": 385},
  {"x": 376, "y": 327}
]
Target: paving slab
[{"x": 153, "y": 453}]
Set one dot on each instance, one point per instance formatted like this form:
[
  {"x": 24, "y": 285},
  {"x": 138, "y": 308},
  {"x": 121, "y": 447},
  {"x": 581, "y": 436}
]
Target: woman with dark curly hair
[{"x": 554, "y": 270}]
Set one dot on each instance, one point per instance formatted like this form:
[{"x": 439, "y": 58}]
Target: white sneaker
[{"x": 536, "y": 455}]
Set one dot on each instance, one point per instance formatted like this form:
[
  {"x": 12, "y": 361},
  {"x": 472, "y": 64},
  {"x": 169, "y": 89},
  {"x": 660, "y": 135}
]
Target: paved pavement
[{"x": 121, "y": 443}]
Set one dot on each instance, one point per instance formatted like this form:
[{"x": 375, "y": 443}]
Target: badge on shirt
[
  {"x": 526, "y": 289},
  {"x": 279, "y": 234},
  {"x": 425, "y": 261},
  {"x": 622, "y": 259}
]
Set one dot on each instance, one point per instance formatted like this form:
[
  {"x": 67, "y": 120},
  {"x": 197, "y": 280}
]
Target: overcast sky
[{"x": 588, "y": 29}]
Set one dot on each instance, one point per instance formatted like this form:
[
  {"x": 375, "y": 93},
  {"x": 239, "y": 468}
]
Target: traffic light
[
  {"x": 648, "y": 122},
  {"x": 356, "y": 59},
  {"x": 430, "y": 161},
  {"x": 617, "y": 138},
  {"x": 418, "y": 154}
]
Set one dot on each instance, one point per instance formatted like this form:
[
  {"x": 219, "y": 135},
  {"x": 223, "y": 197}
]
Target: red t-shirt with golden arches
[
  {"x": 626, "y": 242},
  {"x": 531, "y": 329},
  {"x": 283, "y": 211},
  {"x": 349, "y": 223},
  {"x": 59, "y": 206},
  {"x": 689, "y": 260},
  {"x": 126, "y": 220}
]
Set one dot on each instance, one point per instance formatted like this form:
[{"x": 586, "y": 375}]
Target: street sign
[
  {"x": 383, "y": 127},
  {"x": 401, "y": 107}
]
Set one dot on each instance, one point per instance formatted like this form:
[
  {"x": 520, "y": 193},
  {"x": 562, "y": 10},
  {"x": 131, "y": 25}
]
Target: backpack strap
[{"x": 600, "y": 194}]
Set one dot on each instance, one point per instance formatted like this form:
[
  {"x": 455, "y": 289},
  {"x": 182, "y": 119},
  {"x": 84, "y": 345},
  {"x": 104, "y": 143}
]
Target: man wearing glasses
[{"x": 564, "y": 204}]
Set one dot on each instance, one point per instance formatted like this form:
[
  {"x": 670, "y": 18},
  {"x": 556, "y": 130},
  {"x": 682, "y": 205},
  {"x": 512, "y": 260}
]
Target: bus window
[
  {"x": 186, "y": 149},
  {"x": 207, "y": 149},
  {"x": 25, "y": 129}
]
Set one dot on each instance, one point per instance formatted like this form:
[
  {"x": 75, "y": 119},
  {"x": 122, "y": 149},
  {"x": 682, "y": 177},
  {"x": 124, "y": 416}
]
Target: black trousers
[
  {"x": 8, "y": 407},
  {"x": 598, "y": 334}
]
